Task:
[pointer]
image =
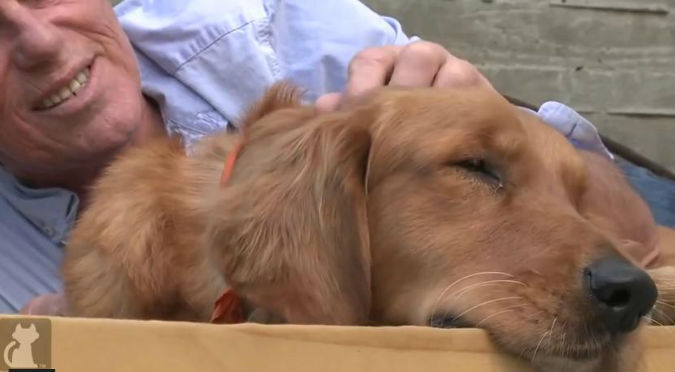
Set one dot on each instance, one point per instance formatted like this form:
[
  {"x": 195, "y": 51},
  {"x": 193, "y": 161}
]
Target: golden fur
[{"x": 368, "y": 214}]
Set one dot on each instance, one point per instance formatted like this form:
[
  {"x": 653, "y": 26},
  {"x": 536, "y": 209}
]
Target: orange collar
[
  {"x": 229, "y": 163},
  {"x": 228, "y": 307}
]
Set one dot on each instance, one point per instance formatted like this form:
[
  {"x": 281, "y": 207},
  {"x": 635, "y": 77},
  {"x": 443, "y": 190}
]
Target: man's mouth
[{"x": 67, "y": 91}]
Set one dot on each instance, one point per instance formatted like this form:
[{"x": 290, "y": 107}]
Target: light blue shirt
[{"x": 204, "y": 62}]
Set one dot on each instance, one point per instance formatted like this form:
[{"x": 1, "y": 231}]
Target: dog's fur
[{"x": 374, "y": 213}]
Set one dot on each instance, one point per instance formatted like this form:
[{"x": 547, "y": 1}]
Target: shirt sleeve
[
  {"x": 315, "y": 41},
  {"x": 225, "y": 54}
]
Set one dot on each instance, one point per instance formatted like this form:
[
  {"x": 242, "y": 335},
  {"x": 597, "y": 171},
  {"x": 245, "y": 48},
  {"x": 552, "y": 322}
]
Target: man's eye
[{"x": 482, "y": 169}]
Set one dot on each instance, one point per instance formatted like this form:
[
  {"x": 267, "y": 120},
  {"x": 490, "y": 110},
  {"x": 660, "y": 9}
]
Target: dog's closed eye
[{"x": 481, "y": 169}]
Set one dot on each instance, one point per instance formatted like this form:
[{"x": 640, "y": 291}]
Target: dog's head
[{"x": 433, "y": 207}]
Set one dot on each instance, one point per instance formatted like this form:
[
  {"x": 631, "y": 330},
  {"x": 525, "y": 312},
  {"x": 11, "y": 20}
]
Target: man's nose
[{"x": 36, "y": 41}]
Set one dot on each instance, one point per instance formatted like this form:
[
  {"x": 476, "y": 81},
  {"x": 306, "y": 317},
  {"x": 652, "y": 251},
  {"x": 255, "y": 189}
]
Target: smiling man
[
  {"x": 69, "y": 93},
  {"x": 74, "y": 92}
]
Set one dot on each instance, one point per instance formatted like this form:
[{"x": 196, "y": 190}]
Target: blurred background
[{"x": 611, "y": 60}]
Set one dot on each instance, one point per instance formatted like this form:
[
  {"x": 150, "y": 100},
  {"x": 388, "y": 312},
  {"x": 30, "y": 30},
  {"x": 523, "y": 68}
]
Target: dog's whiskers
[
  {"x": 481, "y": 284},
  {"x": 528, "y": 316},
  {"x": 446, "y": 289},
  {"x": 563, "y": 332},
  {"x": 453, "y": 297},
  {"x": 665, "y": 304},
  {"x": 505, "y": 310},
  {"x": 547, "y": 333},
  {"x": 652, "y": 320},
  {"x": 543, "y": 335},
  {"x": 485, "y": 303},
  {"x": 550, "y": 334},
  {"x": 664, "y": 314}
]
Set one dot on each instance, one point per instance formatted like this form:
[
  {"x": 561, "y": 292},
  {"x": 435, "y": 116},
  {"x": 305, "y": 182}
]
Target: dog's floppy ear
[
  {"x": 293, "y": 230},
  {"x": 281, "y": 95}
]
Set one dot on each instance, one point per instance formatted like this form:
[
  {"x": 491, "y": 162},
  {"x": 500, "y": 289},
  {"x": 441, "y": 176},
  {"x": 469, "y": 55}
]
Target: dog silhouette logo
[{"x": 25, "y": 343}]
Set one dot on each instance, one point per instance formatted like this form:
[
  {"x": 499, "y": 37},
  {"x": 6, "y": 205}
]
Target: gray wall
[{"x": 616, "y": 66}]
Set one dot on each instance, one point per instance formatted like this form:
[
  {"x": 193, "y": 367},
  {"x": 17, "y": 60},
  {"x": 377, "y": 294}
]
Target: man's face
[{"x": 69, "y": 86}]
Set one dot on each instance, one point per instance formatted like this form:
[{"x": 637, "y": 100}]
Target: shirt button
[{"x": 49, "y": 231}]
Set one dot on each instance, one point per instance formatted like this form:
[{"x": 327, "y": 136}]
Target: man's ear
[{"x": 294, "y": 236}]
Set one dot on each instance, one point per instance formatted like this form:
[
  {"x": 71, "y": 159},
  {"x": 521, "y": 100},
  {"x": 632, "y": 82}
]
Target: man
[{"x": 74, "y": 91}]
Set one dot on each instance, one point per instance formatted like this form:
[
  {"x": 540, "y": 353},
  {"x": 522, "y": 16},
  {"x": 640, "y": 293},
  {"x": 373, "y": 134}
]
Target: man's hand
[{"x": 418, "y": 64}]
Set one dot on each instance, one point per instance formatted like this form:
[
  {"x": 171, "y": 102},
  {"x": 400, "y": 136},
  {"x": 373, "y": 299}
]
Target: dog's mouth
[
  {"x": 447, "y": 320},
  {"x": 572, "y": 350}
]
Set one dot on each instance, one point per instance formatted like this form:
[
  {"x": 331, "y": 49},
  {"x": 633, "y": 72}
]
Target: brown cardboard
[{"x": 116, "y": 345}]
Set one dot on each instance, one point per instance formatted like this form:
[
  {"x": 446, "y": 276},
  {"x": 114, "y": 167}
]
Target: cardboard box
[{"x": 115, "y": 345}]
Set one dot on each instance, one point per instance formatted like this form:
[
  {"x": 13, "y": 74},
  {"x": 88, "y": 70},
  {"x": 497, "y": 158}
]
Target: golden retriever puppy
[{"x": 433, "y": 207}]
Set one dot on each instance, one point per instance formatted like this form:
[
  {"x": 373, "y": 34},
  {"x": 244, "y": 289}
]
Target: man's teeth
[{"x": 66, "y": 92}]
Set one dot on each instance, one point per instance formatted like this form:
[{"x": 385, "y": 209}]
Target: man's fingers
[
  {"x": 418, "y": 64},
  {"x": 459, "y": 73},
  {"x": 328, "y": 102},
  {"x": 369, "y": 69}
]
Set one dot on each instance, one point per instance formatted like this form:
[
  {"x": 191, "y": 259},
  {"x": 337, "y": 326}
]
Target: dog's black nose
[{"x": 623, "y": 293}]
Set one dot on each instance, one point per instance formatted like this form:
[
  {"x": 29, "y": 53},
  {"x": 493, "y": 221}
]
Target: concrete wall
[{"x": 615, "y": 65}]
